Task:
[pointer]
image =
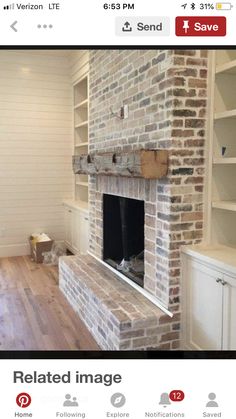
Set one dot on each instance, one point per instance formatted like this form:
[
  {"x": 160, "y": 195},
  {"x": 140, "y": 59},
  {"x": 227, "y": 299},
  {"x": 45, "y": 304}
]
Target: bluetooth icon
[{"x": 118, "y": 400}]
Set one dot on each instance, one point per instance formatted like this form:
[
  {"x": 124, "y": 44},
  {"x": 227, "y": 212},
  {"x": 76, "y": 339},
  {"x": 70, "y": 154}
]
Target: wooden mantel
[{"x": 148, "y": 164}]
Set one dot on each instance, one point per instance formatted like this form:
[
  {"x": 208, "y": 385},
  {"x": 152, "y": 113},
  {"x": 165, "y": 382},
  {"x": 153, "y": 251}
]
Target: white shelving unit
[
  {"x": 76, "y": 209},
  {"x": 224, "y": 160},
  {"x": 81, "y": 114},
  {"x": 226, "y": 114},
  {"x": 209, "y": 269},
  {"x": 222, "y": 166},
  {"x": 225, "y": 205}
]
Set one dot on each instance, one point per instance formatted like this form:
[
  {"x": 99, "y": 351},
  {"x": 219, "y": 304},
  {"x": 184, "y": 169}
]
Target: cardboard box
[{"x": 38, "y": 248}]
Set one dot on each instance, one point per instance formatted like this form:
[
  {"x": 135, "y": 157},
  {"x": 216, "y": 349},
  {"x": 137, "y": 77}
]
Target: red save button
[{"x": 200, "y": 26}]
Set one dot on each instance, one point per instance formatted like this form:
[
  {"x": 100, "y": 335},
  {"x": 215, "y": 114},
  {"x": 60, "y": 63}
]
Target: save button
[{"x": 200, "y": 26}]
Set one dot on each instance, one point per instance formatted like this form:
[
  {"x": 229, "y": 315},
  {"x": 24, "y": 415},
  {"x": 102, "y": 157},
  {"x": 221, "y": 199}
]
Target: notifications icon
[{"x": 23, "y": 400}]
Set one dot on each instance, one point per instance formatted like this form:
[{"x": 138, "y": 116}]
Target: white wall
[
  {"x": 79, "y": 62},
  {"x": 35, "y": 146}
]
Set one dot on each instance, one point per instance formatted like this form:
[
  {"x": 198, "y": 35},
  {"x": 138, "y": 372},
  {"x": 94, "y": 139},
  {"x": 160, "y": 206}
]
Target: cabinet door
[
  {"x": 203, "y": 311},
  {"x": 68, "y": 225},
  {"x": 84, "y": 232},
  {"x": 229, "y": 310},
  {"x": 76, "y": 231}
]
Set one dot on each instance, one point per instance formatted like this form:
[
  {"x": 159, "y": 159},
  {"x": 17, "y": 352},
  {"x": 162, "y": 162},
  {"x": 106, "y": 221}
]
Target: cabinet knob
[
  {"x": 222, "y": 281},
  {"x": 86, "y": 218},
  {"x": 69, "y": 210}
]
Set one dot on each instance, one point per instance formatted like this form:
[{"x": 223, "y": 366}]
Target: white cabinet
[
  {"x": 68, "y": 224},
  {"x": 229, "y": 313},
  {"x": 76, "y": 229},
  {"x": 84, "y": 228},
  {"x": 209, "y": 306}
]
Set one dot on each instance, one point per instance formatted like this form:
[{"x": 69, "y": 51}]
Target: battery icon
[{"x": 224, "y": 6}]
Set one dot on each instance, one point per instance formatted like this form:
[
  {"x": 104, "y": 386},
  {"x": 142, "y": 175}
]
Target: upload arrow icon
[{"x": 127, "y": 27}]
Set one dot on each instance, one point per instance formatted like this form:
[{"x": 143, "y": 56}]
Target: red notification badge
[{"x": 176, "y": 395}]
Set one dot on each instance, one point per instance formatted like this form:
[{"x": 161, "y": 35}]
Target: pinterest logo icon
[{"x": 23, "y": 400}]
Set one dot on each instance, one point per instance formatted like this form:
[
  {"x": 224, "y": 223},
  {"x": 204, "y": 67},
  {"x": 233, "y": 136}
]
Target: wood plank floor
[{"x": 34, "y": 315}]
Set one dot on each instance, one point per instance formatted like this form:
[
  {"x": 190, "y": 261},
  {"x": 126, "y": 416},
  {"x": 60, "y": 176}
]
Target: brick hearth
[{"x": 116, "y": 314}]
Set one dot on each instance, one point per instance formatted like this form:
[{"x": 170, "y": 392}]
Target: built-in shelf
[
  {"x": 225, "y": 114},
  {"x": 78, "y": 204},
  {"x": 221, "y": 226},
  {"x": 81, "y": 91},
  {"x": 224, "y": 160},
  {"x": 83, "y": 104},
  {"x": 84, "y": 124},
  {"x": 224, "y": 205},
  {"x": 82, "y": 183},
  {"x": 82, "y": 144},
  {"x": 81, "y": 117},
  {"x": 76, "y": 209},
  {"x": 227, "y": 68}
]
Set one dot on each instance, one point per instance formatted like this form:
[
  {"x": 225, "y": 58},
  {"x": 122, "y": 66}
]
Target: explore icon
[{"x": 118, "y": 400}]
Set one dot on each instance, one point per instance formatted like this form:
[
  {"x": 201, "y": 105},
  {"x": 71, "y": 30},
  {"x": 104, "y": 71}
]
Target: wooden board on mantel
[{"x": 148, "y": 164}]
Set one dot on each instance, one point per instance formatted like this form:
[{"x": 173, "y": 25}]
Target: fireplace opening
[{"x": 123, "y": 236}]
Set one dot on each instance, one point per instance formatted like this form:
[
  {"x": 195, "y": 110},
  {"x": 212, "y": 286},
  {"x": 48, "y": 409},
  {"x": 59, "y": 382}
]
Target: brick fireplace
[{"x": 166, "y": 91}]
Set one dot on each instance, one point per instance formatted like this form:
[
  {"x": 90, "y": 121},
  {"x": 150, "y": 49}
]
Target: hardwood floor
[{"x": 34, "y": 315}]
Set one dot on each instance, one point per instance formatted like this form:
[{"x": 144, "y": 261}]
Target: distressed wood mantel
[{"x": 148, "y": 164}]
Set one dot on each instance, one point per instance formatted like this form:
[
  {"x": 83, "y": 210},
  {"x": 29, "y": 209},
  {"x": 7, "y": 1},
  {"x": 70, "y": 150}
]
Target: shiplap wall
[
  {"x": 79, "y": 63},
  {"x": 36, "y": 144}
]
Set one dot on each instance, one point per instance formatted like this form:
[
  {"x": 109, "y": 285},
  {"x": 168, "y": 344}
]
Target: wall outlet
[{"x": 124, "y": 112}]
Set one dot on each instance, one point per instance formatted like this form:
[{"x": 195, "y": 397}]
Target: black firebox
[{"x": 123, "y": 236}]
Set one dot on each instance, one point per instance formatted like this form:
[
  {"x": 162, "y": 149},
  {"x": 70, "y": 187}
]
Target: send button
[
  {"x": 143, "y": 26},
  {"x": 152, "y": 27}
]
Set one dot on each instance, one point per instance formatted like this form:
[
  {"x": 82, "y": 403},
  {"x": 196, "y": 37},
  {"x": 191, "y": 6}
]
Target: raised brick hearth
[
  {"x": 117, "y": 315},
  {"x": 166, "y": 92}
]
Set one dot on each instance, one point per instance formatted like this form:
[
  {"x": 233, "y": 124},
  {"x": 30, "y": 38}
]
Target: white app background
[
  {"x": 143, "y": 384},
  {"x": 100, "y": 22}
]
